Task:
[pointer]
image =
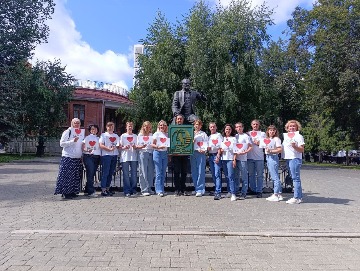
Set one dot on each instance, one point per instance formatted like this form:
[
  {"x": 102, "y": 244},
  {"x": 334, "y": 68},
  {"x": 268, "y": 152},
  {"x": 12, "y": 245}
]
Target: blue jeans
[
  {"x": 241, "y": 167},
  {"x": 215, "y": 173},
  {"x": 198, "y": 164},
  {"x": 294, "y": 166},
  {"x": 256, "y": 168},
  {"x": 160, "y": 160},
  {"x": 146, "y": 171},
  {"x": 273, "y": 168},
  {"x": 108, "y": 164},
  {"x": 229, "y": 174},
  {"x": 91, "y": 163},
  {"x": 129, "y": 181}
]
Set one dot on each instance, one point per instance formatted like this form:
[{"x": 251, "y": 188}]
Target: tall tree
[{"x": 331, "y": 33}]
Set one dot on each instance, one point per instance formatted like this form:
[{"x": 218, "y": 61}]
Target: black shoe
[
  {"x": 110, "y": 193},
  {"x": 211, "y": 193},
  {"x": 242, "y": 197},
  {"x": 105, "y": 194},
  {"x": 74, "y": 195},
  {"x": 68, "y": 196},
  {"x": 259, "y": 195},
  {"x": 250, "y": 192},
  {"x": 217, "y": 197},
  {"x": 177, "y": 193}
]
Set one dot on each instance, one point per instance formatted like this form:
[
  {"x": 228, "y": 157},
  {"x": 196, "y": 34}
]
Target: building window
[{"x": 79, "y": 112}]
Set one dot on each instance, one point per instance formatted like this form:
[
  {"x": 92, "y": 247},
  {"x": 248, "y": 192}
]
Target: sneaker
[
  {"x": 74, "y": 195},
  {"x": 92, "y": 195},
  {"x": 110, "y": 193},
  {"x": 198, "y": 194},
  {"x": 242, "y": 197},
  {"x": 104, "y": 194},
  {"x": 259, "y": 195},
  {"x": 228, "y": 195},
  {"x": 145, "y": 194},
  {"x": 68, "y": 196},
  {"x": 176, "y": 193},
  {"x": 211, "y": 193},
  {"x": 294, "y": 201},
  {"x": 152, "y": 192},
  {"x": 128, "y": 195},
  {"x": 160, "y": 194},
  {"x": 193, "y": 193},
  {"x": 273, "y": 197},
  {"x": 233, "y": 197},
  {"x": 217, "y": 197},
  {"x": 280, "y": 197},
  {"x": 186, "y": 193}
]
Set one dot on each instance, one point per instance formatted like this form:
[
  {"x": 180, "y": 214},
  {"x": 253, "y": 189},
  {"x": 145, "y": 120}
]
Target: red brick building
[{"x": 97, "y": 103}]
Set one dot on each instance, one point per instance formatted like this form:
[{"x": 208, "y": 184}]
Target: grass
[
  {"x": 6, "y": 157},
  {"x": 315, "y": 164}
]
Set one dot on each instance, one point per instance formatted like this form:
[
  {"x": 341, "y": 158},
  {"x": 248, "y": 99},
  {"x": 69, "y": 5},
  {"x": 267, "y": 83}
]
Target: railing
[{"x": 29, "y": 145}]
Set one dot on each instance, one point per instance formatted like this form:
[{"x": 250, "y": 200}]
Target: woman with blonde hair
[
  {"x": 160, "y": 156},
  {"x": 293, "y": 147},
  {"x": 146, "y": 163},
  {"x": 70, "y": 171}
]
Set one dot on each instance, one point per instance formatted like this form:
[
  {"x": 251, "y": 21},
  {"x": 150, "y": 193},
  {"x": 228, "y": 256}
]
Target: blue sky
[{"x": 95, "y": 39}]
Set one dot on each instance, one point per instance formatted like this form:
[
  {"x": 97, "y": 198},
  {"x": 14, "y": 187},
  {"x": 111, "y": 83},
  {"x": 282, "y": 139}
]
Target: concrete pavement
[{"x": 40, "y": 231}]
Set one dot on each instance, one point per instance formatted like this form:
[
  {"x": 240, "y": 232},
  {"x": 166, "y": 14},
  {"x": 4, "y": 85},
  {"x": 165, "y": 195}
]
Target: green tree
[{"x": 331, "y": 33}]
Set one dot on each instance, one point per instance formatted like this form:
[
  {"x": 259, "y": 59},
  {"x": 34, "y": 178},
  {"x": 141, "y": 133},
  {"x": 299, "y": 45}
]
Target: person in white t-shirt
[
  {"x": 160, "y": 156},
  {"x": 146, "y": 163},
  {"x": 109, "y": 142},
  {"x": 272, "y": 145},
  {"x": 228, "y": 158},
  {"x": 198, "y": 159},
  {"x": 129, "y": 159},
  {"x": 293, "y": 147},
  {"x": 255, "y": 159},
  {"x": 91, "y": 158},
  {"x": 241, "y": 160},
  {"x": 214, "y": 150}
]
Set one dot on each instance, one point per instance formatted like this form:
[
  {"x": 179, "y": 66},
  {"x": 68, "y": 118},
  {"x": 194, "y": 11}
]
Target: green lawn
[{"x": 6, "y": 158}]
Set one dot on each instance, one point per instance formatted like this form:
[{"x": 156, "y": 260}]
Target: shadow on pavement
[{"x": 313, "y": 198}]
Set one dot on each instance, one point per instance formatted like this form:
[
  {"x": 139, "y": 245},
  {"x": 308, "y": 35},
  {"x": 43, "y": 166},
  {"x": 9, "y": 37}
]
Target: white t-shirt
[
  {"x": 92, "y": 141},
  {"x": 157, "y": 135},
  {"x": 148, "y": 147},
  {"x": 215, "y": 139},
  {"x": 228, "y": 154},
  {"x": 128, "y": 154},
  {"x": 109, "y": 140},
  {"x": 71, "y": 148},
  {"x": 243, "y": 139},
  {"x": 256, "y": 153},
  {"x": 288, "y": 151},
  {"x": 200, "y": 137},
  {"x": 272, "y": 144}
]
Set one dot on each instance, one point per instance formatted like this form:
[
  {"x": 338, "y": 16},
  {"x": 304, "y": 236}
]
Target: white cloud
[
  {"x": 282, "y": 8},
  {"x": 82, "y": 61}
]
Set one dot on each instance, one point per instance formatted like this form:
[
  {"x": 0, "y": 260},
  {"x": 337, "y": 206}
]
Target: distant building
[
  {"x": 96, "y": 102},
  {"x": 138, "y": 50}
]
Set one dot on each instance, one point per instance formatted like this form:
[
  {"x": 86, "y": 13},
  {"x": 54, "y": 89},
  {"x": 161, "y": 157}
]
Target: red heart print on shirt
[
  {"x": 291, "y": 134},
  {"x": 92, "y": 143},
  {"x": 200, "y": 143},
  {"x": 78, "y": 131},
  {"x": 239, "y": 145},
  {"x": 267, "y": 141},
  {"x": 146, "y": 138},
  {"x": 112, "y": 139},
  {"x": 227, "y": 143},
  {"x": 253, "y": 134},
  {"x": 162, "y": 139},
  {"x": 129, "y": 138},
  {"x": 215, "y": 141}
]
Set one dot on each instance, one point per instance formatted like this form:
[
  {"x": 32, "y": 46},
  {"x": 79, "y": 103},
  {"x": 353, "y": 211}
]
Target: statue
[{"x": 184, "y": 102}]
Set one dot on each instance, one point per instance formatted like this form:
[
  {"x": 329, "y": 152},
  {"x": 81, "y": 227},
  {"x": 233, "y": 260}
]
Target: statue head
[{"x": 185, "y": 84}]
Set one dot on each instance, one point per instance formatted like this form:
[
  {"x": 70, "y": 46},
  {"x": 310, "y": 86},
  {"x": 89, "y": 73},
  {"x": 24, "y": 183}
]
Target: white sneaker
[
  {"x": 198, "y": 194},
  {"x": 145, "y": 194},
  {"x": 228, "y": 195},
  {"x": 294, "y": 201},
  {"x": 233, "y": 197},
  {"x": 160, "y": 194},
  {"x": 193, "y": 193},
  {"x": 280, "y": 197},
  {"x": 93, "y": 195},
  {"x": 273, "y": 197}
]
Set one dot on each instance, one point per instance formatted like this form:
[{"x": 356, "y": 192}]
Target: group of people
[{"x": 240, "y": 155}]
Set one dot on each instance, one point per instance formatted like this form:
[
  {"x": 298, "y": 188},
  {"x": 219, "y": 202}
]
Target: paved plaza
[{"x": 40, "y": 231}]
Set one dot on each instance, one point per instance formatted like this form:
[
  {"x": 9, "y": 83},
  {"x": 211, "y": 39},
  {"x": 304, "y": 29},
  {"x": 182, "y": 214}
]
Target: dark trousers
[{"x": 180, "y": 171}]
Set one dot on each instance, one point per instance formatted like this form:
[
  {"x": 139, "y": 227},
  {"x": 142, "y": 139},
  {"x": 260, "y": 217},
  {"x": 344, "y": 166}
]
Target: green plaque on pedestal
[{"x": 181, "y": 139}]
